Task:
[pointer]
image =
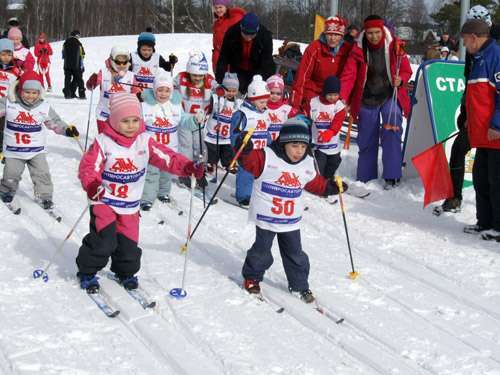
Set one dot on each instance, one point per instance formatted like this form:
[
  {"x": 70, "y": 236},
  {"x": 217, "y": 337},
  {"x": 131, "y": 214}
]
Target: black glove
[
  {"x": 239, "y": 141},
  {"x": 72, "y": 131},
  {"x": 202, "y": 182},
  {"x": 172, "y": 59}
]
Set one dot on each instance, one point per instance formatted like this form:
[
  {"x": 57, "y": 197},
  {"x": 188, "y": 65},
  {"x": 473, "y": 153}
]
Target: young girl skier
[
  {"x": 282, "y": 171},
  {"x": 217, "y": 137},
  {"x": 43, "y": 51},
  {"x": 163, "y": 119},
  {"x": 252, "y": 114},
  {"x": 146, "y": 61},
  {"x": 8, "y": 75},
  {"x": 277, "y": 108},
  {"x": 27, "y": 115},
  {"x": 114, "y": 78},
  {"x": 195, "y": 86},
  {"x": 22, "y": 56},
  {"x": 112, "y": 172},
  {"x": 327, "y": 112}
]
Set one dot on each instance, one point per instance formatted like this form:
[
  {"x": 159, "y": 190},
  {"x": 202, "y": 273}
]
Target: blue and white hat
[
  {"x": 197, "y": 63},
  {"x": 6, "y": 45}
]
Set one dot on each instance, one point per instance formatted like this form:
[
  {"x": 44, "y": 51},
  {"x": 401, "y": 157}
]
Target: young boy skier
[
  {"x": 146, "y": 61},
  {"x": 217, "y": 137},
  {"x": 252, "y": 115},
  {"x": 27, "y": 115},
  {"x": 327, "y": 113},
  {"x": 112, "y": 172},
  {"x": 281, "y": 172}
]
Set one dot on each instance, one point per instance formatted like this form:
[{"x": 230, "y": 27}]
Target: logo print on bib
[
  {"x": 144, "y": 71},
  {"x": 123, "y": 165},
  {"x": 261, "y": 125},
  {"x": 274, "y": 118},
  {"x": 226, "y": 111},
  {"x": 4, "y": 76},
  {"x": 289, "y": 180},
  {"x": 162, "y": 122},
  {"x": 25, "y": 118},
  {"x": 323, "y": 116},
  {"x": 116, "y": 87}
]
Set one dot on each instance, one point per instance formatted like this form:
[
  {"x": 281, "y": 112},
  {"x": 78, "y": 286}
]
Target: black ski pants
[{"x": 486, "y": 178}]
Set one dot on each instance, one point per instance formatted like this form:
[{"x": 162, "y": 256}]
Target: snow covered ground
[{"x": 427, "y": 300}]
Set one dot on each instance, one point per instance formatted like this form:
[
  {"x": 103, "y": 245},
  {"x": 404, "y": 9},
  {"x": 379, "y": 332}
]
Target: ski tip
[
  {"x": 340, "y": 321},
  {"x": 161, "y": 222},
  {"x": 280, "y": 310},
  {"x": 114, "y": 314},
  {"x": 151, "y": 305},
  {"x": 59, "y": 219},
  {"x": 17, "y": 212}
]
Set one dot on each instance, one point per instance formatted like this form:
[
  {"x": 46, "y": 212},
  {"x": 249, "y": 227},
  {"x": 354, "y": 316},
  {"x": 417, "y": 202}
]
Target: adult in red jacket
[
  {"x": 43, "y": 51},
  {"x": 482, "y": 102},
  {"x": 375, "y": 68},
  {"x": 322, "y": 58},
  {"x": 225, "y": 17}
]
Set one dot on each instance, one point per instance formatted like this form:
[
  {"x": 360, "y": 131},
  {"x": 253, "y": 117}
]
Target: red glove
[
  {"x": 219, "y": 91},
  {"x": 95, "y": 191},
  {"x": 196, "y": 169},
  {"x": 92, "y": 82},
  {"x": 326, "y": 136}
]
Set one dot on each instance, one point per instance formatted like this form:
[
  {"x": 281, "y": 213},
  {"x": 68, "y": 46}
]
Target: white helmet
[
  {"x": 479, "y": 12},
  {"x": 197, "y": 63},
  {"x": 119, "y": 51}
]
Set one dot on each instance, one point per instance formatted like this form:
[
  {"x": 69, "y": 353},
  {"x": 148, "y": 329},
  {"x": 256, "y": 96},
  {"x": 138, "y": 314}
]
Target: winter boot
[
  {"x": 305, "y": 295},
  {"x": 164, "y": 198},
  {"x": 89, "y": 282},
  {"x": 391, "y": 183},
  {"x": 129, "y": 282},
  {"x": 473, "y": 229},
  {"x": 251, "y": 286},
  {"x": 449, "y": 205},
  {"x": 490, "y": 235},
  {"x": 146, "y": 206},
  {"x": 47, "y": 204},
  {"x": 81, "y": 94},
  {"x": 244, "y": 203},
  {"x": 49, "y": 89},
  {"x": 7, "y": 198}
]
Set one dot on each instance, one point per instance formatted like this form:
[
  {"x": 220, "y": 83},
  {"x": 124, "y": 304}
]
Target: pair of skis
[{"x": 16, "y": 209}]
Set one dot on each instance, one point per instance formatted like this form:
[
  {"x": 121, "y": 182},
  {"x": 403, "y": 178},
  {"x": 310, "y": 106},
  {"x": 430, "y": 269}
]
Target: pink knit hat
[
  {"x": 122, "y": 105},
  {"x": 275, "y": 82},
  {"x": 15, "y": 32}
]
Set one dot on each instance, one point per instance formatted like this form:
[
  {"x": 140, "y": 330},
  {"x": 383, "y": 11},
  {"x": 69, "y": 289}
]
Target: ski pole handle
[
  {"x": 338, "y": 181},
  {"x": 243, "y": 144},
  {"x": 347, "y": 141}
]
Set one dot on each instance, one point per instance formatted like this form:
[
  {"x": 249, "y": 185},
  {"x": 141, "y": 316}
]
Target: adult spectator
[
  {"x": 446, "y": 41},
  {"x": 73, "y": 54},
  {"x": 225, "y": 17},
  {"x": 14, "y": 22},
  {"x": 352, "y": 32},
  {"x": 461, "y": 146},
  {"x": 482, "y": 99},
  {"x": 247, "y": 50},
  {"x": 322, "y": 58},
  {"x": 447, "y": 55},
  {"x": 374, "y": 69}
]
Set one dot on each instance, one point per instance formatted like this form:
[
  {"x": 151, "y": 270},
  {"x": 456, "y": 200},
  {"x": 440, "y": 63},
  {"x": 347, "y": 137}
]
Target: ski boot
[
  {"x": 164, "y": 198},
  {"x": 473, "y": 229},
  {"x": 305, "y": 295},
  {"x": 47, "y": 204},
  {"x": 146, "y": 206},
  {"x": 7, "y": 198},
  {"x": 89, "y": 283},
  {"x": 490, "y": 235},
  {"x": 244, "y": 203},
  {"x": 391, "y": 183},
  {"x": 129, "y": 282},
  {"x": 449, "y": 205},
  {"x": 251, "y": 286}
]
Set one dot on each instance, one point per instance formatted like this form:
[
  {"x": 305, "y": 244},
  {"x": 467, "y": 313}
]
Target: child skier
[
  {"x": 27, "y": 115},
  {"x": 23, "y": 58},
  {"x": 112, "y": 173},
  {"x": 277, "y": 109},
  {"x": 43, "y": 51},
  {"x": 252, "y": 114},
  {"x": 195, "y": 87},
  {"x": 8, "y": 75},
  {"x": 163, "y": 119},
  {"x": 327, "y": 112},
  {"x": 217, "y": 137},
  {"x": 146, "y": 61},
  {"x": 114, "y": 78},
  {"x": 281, "y": 172}
]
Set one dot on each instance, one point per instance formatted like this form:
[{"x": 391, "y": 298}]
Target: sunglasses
[{"x": 121, "y": 62}]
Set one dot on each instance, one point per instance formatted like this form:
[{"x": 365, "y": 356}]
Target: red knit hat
[
  {"x": 334, "y": 25},
  {"x": 122, "y": 105},
  {"x": 30, "y": 80}
]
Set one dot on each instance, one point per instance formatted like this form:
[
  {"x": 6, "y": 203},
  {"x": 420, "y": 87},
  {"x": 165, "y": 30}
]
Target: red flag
[{"x": 432, "y": 167}]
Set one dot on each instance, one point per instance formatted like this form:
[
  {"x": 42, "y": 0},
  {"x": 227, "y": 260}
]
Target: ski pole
[
  {"x": 181, "y": 292},
  {"x": 204, "y": 172},
  {"x": 88, "y": 121},
  {"x": 231, "y": 166},
  {"x": 42, "y": 272},
  {"x": 352, "y": 275},
  {"x": 77, "y": 139}
]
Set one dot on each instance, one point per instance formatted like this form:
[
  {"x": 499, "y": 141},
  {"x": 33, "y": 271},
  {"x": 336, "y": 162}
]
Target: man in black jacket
[
  {"x": 73, "y": 54},
  {"x": 247, "y": 50}
]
